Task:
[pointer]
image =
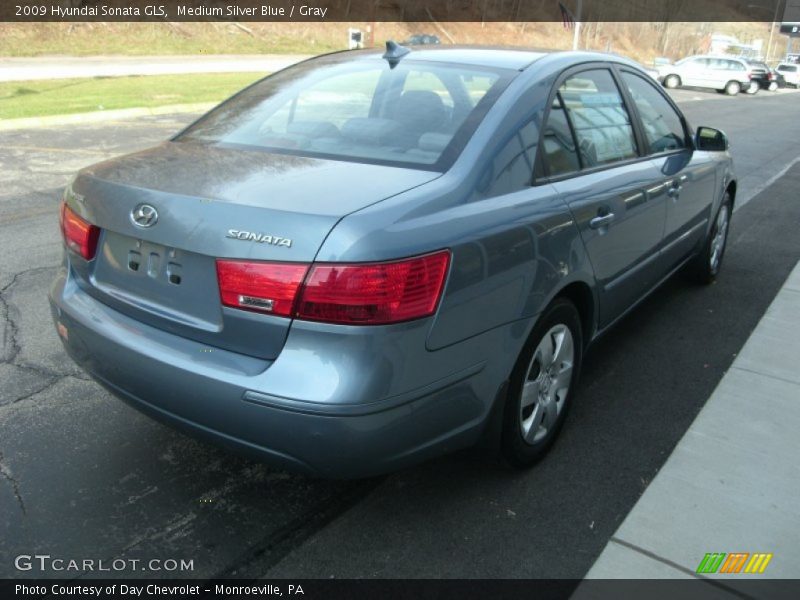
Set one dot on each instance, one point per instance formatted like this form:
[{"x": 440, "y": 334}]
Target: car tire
[
  {"x": 753, "y": 89},
  {"x": 672, "y": 81},
  {"x": 773, "y": 86},
  {"x": 542, "y": 385},
  {"x": 732, "y": 88},
  {"x": 706, "y": 265}
]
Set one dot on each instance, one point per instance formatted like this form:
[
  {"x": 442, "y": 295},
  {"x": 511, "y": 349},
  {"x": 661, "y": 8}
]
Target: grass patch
[{"x": 68, "y": 96}]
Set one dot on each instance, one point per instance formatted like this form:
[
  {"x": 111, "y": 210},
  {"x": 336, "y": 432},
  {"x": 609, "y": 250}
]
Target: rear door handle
[{"x": 601, "y": 220}]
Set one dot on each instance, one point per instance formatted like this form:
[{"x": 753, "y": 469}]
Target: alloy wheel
[
  {"x": 547, "y": 382},
  {"x": 720, "y": 235}
]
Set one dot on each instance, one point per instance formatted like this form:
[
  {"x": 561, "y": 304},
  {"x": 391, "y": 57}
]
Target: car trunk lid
[{"x": 211, "y": 203}]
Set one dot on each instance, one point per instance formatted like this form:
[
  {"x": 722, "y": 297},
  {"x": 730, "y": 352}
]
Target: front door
[{"x": 687, "y": 175}]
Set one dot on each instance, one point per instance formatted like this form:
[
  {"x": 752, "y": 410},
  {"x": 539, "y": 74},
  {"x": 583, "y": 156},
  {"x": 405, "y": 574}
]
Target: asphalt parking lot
[{"x": 84, "y": 476}]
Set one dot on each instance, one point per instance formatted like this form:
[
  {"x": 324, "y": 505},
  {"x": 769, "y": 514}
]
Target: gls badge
[{"x": 261, "y": 238}]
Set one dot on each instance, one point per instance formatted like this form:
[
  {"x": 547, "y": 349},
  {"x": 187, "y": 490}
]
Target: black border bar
[
  {"x": 400, "y": 10},
  {"x": 744, "y": 587}
]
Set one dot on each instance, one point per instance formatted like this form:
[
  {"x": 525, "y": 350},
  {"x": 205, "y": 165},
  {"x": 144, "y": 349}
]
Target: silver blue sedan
[{"x": 373, "y": 258}]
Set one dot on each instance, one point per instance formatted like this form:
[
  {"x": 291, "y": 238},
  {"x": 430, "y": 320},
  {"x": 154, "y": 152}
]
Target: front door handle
[
  {"x": 601, "y": 220},
  {"x": 675, "y": 186}
]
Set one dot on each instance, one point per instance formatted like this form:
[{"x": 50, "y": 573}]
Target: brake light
[
  {"x": 259, "y": 286},
  {"x": 373, "y": 294},
  {"x": 80, "y": 236},
  {"x": 353, "y": 294}
]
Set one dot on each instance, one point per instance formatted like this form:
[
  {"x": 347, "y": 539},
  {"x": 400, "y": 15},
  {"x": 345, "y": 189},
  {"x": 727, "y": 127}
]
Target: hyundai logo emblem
[{"x": 144, "y": 215}]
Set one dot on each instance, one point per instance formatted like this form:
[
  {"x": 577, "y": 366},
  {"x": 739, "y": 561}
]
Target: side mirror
[{"x": 711, "y": 140}]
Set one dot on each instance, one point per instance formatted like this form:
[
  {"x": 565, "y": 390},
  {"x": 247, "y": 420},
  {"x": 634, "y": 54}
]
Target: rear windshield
[
  {"x": 416, "y": 114},
  {"x": 787, "y": 68}
]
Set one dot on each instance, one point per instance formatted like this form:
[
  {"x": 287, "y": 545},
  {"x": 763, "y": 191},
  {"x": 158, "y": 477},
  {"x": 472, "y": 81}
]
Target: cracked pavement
[
  {"x": 73, "y": 473},
  {"x": 82, "y": 475}
]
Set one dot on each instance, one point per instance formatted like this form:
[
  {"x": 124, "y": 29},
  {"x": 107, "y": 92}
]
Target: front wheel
[
  {"x": 672, "y": 81},
  {"x": 753, "y": 89},
  {"x": 707, "y": 264},
  {"x": 542, "y": 384}
]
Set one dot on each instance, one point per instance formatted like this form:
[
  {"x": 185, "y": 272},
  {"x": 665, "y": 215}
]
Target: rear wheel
[
  {"x": 732, "y": 88},
  {"x": 542, "y": 384},
  {"x": 707, "y": 264},
  {"x": 773, "y": 85},
  {"x": 672, "y": 81}
]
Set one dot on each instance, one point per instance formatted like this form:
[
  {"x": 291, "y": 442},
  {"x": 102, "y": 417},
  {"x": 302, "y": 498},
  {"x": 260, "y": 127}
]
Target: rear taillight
[
  {"x": 373, "y": 294},
  {"x": 353, "y": 294},
  {"x": 80, "y": 236},
  {"x": 259, "y": 286}
]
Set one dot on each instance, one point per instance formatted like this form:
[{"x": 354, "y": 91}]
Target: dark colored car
[
  {"x": 364, "y": 261},
  {"x": 779, "y": 79},
  {"x": 763, "y": 76},
  {"x": 422, "y": 39}
]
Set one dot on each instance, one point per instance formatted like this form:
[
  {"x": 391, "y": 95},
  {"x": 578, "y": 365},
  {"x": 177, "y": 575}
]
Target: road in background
[
  {"x": 69, "y": 67},
  {"x": 82, "y": 475},
  {"x": 763, "y": 131}
]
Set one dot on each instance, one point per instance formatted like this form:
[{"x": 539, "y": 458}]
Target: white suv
[
  {"x": 790, "y": 72},
  {"x": 722, "y": 73}
]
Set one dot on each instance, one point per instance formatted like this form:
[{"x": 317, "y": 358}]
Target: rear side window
[
  {"x": 599, "y": 118},
  {"x": 663, "y": 128},
  {"x": 558, "y": 146}
]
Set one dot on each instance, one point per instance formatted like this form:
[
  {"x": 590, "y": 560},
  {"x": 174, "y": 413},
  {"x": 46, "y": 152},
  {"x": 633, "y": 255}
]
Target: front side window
[
  {"x": 365, "y": 111},
  {"x": 599, "y": 118},
  {"x": 663, "y": 128}
]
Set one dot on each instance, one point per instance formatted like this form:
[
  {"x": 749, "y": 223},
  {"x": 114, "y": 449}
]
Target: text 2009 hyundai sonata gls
[{"x": 370, "y": 259}]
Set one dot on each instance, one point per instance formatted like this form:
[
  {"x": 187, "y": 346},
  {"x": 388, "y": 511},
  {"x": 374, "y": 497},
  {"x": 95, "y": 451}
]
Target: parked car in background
[
  {"x": 778, "y": 78},
  {"x": 721, "y": 73},
  {"x": 366, "y": 260},
  {"x": 762, "y": 76},
  {"x": 790, "y": 72},
  {"x": 422, "y": 39}
]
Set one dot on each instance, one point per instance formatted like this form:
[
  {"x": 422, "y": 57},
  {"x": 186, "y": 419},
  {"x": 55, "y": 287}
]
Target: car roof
[
  {"x": 481, "y": 56},
  {"x": 725, "y": 56},
  {"x": 501, "y": 57}
]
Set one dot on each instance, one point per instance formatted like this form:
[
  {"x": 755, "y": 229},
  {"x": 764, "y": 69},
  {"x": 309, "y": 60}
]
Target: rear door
[
  {"x": 591, "y": 156},
  {"x": 687, "y": 176}
]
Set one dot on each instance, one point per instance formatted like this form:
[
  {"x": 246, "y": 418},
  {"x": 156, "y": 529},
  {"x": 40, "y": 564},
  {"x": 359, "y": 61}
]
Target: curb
[{"x": 102, "y": 115}]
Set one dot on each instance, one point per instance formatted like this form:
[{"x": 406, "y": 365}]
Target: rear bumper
[{"x": 227, "y": 397}]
